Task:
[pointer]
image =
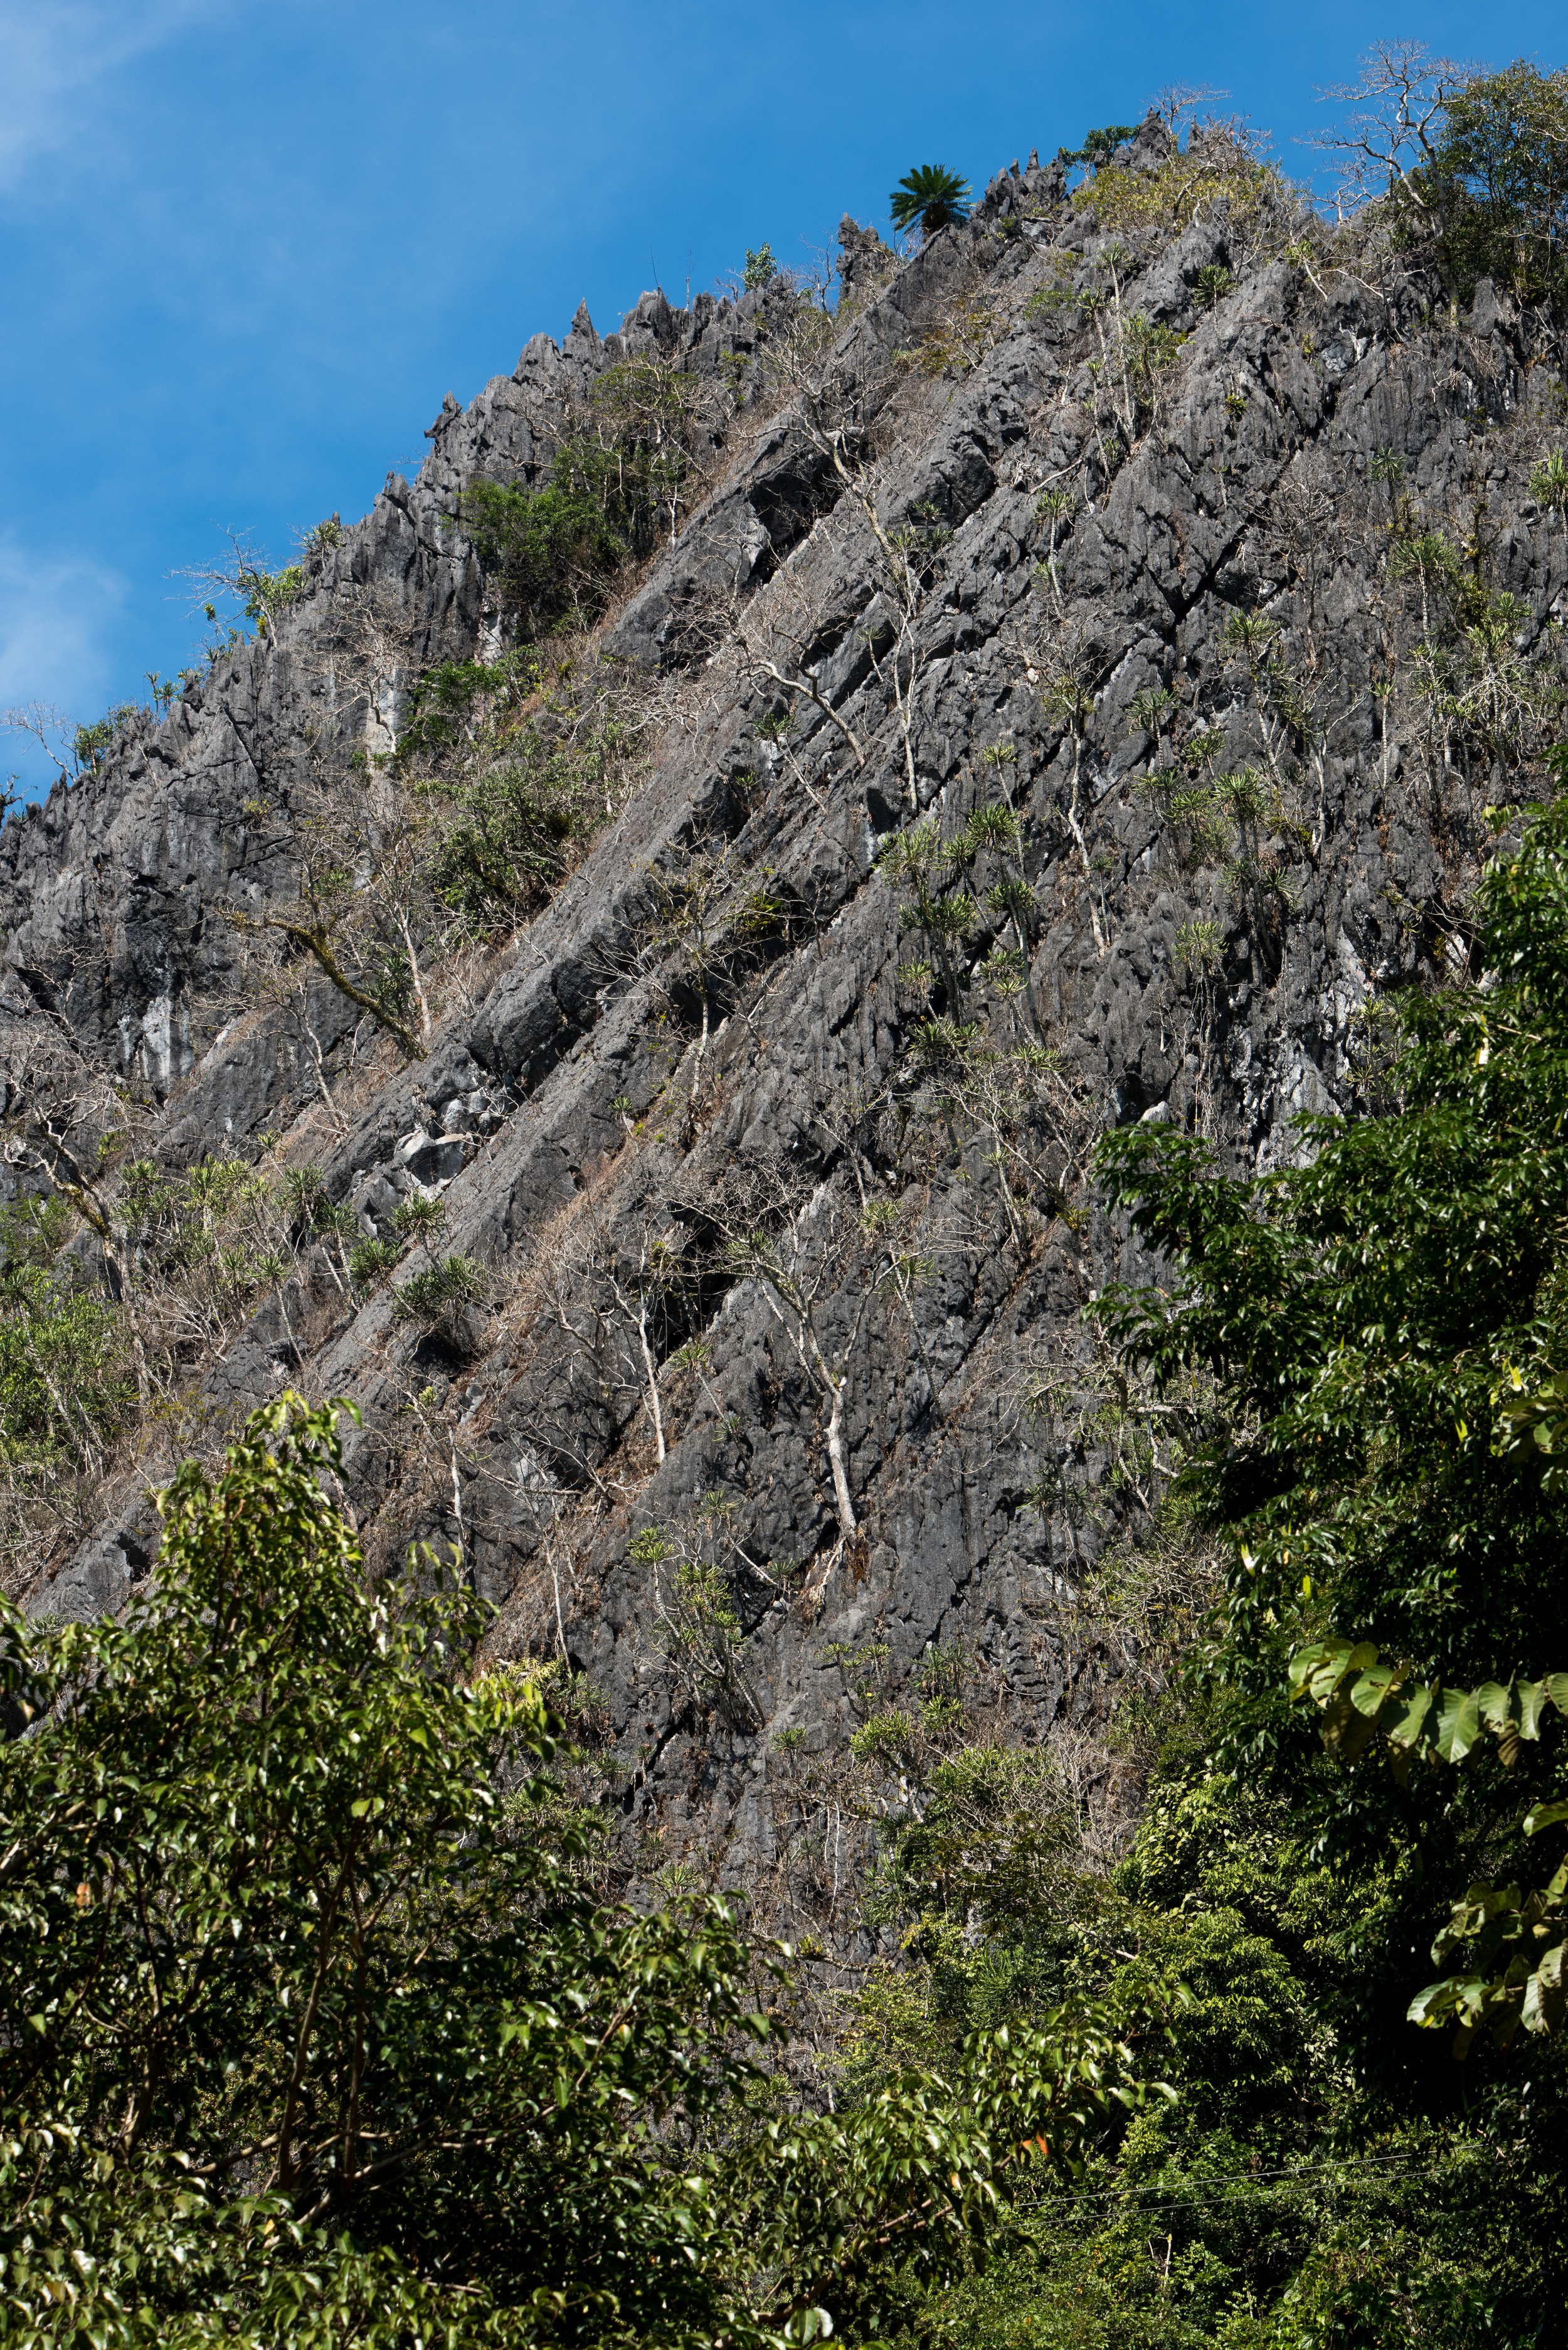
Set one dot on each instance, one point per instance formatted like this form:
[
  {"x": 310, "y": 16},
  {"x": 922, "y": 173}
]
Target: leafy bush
[
  {"x": 1099, "y": 146},
  {"x": 306, "y": 1199},
  {"x": 517, "y": 824},
  {"x": 555, "y": 549},
  {"x": 519, "y": 761},
  {"x": 268, "y": 593},
  {"x": 1178, "y": 191},
  {"x": 64, "y": 1383},
  {"x": 442, "y": 704},
  {"x": 761, "y": 269},
  {"x": 1496, "y": 700},
  {"x": 418, "y": 1214},
  {"x": 967, "y": 332},
  {"x": 1150, "y": 351},
  {"x": 89, "y": 743},
  {"x": 694, "y": 1563},
  {"x": 436, "y": 1297},
  {"x": 1199, "y": 946},
  {"x": 372, "y": 1262},
  {"x": 325, "y": 1963},
  {"x": 610, "y": 493}
]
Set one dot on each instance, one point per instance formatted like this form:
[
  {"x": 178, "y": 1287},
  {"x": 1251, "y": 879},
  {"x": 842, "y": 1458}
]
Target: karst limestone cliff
[{"x": 1064, "y": 689}]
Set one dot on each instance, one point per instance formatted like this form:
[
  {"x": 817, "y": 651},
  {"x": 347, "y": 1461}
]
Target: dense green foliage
[
  {"x": 438, "y": 1298},
  {"x": 611, "y": 489},
  {"x": 63, "y": 1384},
  {"x": 1286, "y": 2199},
  {"x": 1100, "y": 145},
  {"x": 89, "y": 742},
  {"x": 1497, "y": 186},
  {"x": 1306, "y": 2184},
  {"x": 1361, "y": 1354},
  {"x": 555, "y": 549},
  {"x": 1506, "y": 1952},
  {"x": 311, "y": 2028}
]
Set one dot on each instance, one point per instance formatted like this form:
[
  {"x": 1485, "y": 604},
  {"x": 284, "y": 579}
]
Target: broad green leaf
[
  {"x": 1458, "y": 1724},
  {"x": 1403, "y": 1717},
  {"x": 1353, "y": 1732},
  {"x": 1541, "y": 2008},
  {"x": 1370, "y": 1689},
  {"x": 1323, "y": 1667},
  {"x": 1435, "y": 2004},
  {"x": 1494, "y": 1702}
]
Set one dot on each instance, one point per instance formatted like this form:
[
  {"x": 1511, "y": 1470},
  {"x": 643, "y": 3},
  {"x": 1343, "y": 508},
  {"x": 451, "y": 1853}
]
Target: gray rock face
[
  {"x": 1219, "y": 595},
  {"x": 112, "y": 890}
]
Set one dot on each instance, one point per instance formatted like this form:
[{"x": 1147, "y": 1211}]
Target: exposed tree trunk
[
  {"x": 697, "y": 1064},
  {"x": 314, "y": 1041},
  {"x": 313, "y": 938},
  {"x": 648, "y": 1364},
  {"x": 836, "y": 1460},
  {"x": 416, "y": 975}
]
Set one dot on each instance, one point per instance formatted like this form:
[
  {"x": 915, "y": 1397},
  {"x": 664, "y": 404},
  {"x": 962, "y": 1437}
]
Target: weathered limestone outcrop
[{"x": 1084, "y": 655}]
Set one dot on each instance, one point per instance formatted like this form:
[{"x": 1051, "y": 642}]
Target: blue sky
[{"x": 248, "y": 244}]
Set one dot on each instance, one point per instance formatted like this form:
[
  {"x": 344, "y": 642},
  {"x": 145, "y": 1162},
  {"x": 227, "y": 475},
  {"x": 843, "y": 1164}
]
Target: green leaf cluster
[
  {"x": 310, "y": 2028},
  {"x": 1285, "y": 2195},
  {"x": 1496, "y": 186},
  {"x": 437, "y": 1297},
  {"x": 89, "y": 743},
  {"x": 1100, "y": 145},
  {"x": 1527, "y": 1933},
  {"x": 555, "y": 549},
  {"x": 1377, "y": 1323},
  {"x": 64, "y": 1388},
  {"x": 613, "y": 485},
  {"x": 929, "y": 197},
  {"x": 1176, "y": 192},
  {"x": 525, "y": 763}
]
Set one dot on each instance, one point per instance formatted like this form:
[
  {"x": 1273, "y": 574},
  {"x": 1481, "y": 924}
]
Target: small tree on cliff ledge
[{"x": 928, "y": 198}]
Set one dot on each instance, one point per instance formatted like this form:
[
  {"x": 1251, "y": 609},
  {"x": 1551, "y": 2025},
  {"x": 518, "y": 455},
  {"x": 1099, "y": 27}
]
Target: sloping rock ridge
[{"x": 1103, "y": 527}]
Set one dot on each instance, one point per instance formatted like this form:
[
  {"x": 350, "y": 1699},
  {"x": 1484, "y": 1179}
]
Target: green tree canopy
[
  {"x": 310, "y": 2026},
  {"x": 1380, "y": 1331},
  {"x": 1498, "y": 184},
  {"x": 1100, "y": 145}
]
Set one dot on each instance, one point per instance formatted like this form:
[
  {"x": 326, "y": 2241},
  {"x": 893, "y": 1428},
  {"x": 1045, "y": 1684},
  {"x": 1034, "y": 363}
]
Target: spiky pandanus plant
[{"x": 929, "y": 197}]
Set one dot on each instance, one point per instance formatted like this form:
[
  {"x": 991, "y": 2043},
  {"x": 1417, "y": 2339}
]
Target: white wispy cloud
[
  {"x": 57, "y": 56},
  {"x": 57, "y": 615}
]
